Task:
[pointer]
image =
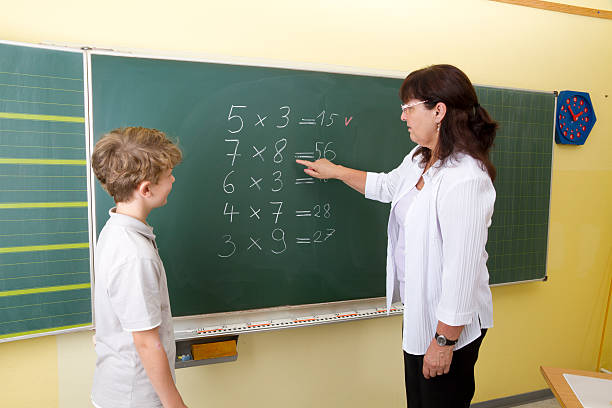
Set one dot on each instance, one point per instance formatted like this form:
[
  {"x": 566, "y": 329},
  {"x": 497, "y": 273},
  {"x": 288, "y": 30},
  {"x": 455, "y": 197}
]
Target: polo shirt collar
[{"x": 132, "y": 223}]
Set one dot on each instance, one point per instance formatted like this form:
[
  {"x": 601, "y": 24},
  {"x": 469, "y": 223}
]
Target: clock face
[{"x": 575, "y": 117}]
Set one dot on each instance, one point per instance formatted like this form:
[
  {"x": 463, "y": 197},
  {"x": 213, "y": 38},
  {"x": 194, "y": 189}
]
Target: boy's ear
[{"x": 144, "y": 188}]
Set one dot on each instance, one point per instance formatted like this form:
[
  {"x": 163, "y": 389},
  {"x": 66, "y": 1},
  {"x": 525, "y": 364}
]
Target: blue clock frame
[{"x": 574, "y": 117}]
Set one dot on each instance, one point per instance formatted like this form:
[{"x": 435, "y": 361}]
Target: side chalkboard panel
[
  {"x": 245, "y": 228},
  {"x": 518, "y": 237},
  {"x": 44, "y": 239}
]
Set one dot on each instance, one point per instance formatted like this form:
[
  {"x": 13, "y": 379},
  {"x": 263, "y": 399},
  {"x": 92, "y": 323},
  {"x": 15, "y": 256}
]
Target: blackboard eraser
[{"x": 215, "y": 349}]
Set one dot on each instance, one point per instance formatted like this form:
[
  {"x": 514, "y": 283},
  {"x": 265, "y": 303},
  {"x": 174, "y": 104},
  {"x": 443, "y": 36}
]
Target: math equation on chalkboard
[{"x": 257, "y": 219}]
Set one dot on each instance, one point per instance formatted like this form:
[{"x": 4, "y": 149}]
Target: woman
[{"x": 442, "y": 199}]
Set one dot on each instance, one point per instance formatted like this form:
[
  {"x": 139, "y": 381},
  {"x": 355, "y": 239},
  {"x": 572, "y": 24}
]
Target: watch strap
[{"x": 447, "y": 341}]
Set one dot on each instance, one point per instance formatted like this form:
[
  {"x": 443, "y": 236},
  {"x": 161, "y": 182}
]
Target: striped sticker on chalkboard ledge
[{"x": 44, "y": 240}]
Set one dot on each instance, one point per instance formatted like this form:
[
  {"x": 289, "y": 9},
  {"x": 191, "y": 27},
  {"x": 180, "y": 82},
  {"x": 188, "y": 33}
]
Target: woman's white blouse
[
  {"x": 398, "y": 215},
  {"x": 445, "y": 233}
]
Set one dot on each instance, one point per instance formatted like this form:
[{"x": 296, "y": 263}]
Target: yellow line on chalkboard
[
  {"x": 42, "y": 317},
  {"x": 44, "y": 205},
  {"x": 39, "y": 190},
  {"x": 42, "y": 262},
  {"x": 42, "y": 132},
  {"x": 38, "y": 176},
  {"x": 41, "y": 76},
  {"x": 45, "y": 290},
  {"x": 32, "y": 248},
  {"x": 40, "y": 87},
  {"x": 42, "y": 233},
  {"x": 52, "y": 118},
  {"x": 41, "y": 219},
  {"x": 29, "y": 333},
  {"x": 43, "y": 303},
  {"x": 43, "y": 161},
  {"x": 44, "y": 276},
  {"x": 42, "y": 147},
  {"x": 40, "y": 103}
]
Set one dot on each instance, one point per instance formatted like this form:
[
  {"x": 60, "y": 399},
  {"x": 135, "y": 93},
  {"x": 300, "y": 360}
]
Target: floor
[{"x": 549, "y": 403}]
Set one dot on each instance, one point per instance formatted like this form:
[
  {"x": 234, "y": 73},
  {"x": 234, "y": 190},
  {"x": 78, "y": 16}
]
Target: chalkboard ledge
[{"x": 192, "y": 327}]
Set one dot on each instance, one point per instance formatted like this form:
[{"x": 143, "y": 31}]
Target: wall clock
[{"x": 575, "y": 117}]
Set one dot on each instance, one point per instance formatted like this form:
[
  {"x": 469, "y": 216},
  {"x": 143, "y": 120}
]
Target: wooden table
[{"x": 560, "y": 387}]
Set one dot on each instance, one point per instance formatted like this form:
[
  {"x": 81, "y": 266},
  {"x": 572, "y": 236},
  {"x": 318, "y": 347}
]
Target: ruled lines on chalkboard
[{"x": 44, "y": 229}]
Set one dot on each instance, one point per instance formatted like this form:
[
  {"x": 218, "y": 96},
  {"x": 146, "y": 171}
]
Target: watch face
[
  {"x": 575, "y": 117},
  {"x": 441, "y": 340}
]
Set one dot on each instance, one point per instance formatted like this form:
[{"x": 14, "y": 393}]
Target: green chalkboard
[
  {"x": 44, "y": 238},
  {"x": 518, "y": 237},
  {"x": 245, "y": 228}
]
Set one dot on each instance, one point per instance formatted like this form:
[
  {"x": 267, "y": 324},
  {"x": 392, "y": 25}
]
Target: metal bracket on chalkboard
[{"x": 283, "y": 323}]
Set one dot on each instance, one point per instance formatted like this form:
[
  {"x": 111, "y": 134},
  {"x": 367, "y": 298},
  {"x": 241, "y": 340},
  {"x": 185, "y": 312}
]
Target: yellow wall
[
  {"x": 605, "y": 359},
  {"x": 358, "y": 364},
  {"x": 28, "y": 373}
]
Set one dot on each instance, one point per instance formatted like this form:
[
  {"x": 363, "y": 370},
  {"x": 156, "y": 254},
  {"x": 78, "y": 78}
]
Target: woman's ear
[{"x": 439, "y": 111}]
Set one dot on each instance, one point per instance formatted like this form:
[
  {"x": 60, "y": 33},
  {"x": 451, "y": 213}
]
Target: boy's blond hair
[{"x": 125, "y": 157}]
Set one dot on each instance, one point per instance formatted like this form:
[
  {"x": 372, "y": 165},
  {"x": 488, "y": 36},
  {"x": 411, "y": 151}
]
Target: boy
[{"x": 134, "y": 333}]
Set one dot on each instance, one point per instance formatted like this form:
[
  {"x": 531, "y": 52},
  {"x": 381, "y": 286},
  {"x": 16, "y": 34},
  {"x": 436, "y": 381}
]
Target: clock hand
[
  {"x": 572, "y": 112},
  {"x": 579, "y": 113}
]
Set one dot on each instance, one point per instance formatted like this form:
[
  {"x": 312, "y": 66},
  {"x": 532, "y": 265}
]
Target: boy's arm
[{"x": 155, "y": 362}]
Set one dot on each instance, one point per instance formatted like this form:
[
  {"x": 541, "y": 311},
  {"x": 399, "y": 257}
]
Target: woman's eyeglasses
[{"x": 406, "y": 106}]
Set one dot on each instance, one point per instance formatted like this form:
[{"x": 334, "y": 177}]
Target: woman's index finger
[{"x": 304, "y": 162}]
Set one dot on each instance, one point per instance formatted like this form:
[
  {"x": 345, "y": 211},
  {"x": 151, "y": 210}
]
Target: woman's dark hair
[{"x": 466, "y": 127}]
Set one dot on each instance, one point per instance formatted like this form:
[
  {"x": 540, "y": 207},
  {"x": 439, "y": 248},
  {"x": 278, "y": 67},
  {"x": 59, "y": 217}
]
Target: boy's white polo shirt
[{"x": 131, "y": 294}]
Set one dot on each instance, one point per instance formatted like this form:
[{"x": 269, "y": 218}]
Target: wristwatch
[{"x": 443, "y": 341}]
